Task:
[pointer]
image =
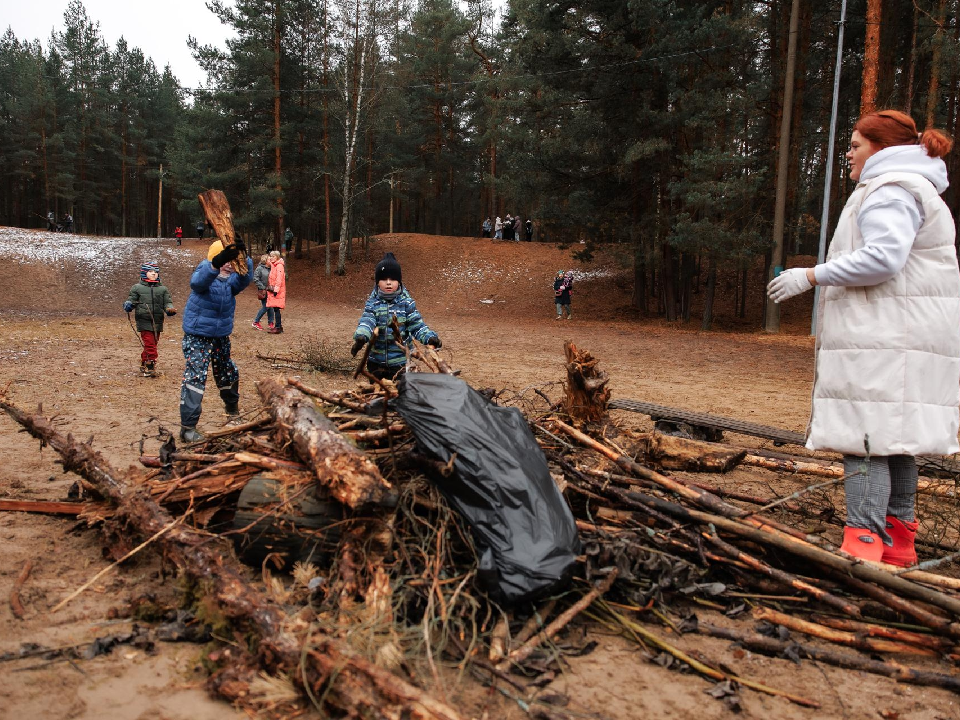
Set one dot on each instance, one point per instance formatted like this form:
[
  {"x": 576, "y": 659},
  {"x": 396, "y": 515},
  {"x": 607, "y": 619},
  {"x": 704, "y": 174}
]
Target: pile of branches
[{"x": 379, "y": 601}]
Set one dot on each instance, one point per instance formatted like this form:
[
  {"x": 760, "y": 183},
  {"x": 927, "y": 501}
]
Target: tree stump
[{"x": 586, "y": 388}]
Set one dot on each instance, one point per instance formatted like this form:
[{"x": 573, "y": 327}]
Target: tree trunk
[
  {"x": 871, "y": 58},
  {"x": 934, "y": 87},
  {"x": 276, "y": 123},
  {"x": 710, "y": 293}
]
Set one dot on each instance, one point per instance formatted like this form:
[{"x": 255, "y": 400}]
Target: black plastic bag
[{"x": 523, "y": 529}]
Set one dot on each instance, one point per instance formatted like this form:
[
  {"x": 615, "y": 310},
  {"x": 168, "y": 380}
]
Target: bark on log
[
  {"x": 217, "y": 210},
  {"x": 332, "y": 669},
  {"x": 344, "y": 471}
]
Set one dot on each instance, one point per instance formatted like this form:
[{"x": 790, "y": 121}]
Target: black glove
[
  {"x": 435, "y": 341},
  {"x": 225, "y": 256},
  {"x": 357, "y": 344},
  {"x": 171, "y": 311},
  {"x": 238, "y": 243}
]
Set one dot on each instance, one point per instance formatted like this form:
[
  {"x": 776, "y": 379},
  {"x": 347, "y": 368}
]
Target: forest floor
[{"x": 65, "y": 344}]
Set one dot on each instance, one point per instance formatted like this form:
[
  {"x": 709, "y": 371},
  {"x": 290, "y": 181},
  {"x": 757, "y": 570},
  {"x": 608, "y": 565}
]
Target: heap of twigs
[{"x": 381, "y": 606}]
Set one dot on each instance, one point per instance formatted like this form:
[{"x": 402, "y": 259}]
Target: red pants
[{"x": 149, "y": 353}]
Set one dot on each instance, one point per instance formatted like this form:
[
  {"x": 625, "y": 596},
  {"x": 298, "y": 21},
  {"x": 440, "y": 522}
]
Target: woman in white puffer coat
[{"x": 887, "y": 383}]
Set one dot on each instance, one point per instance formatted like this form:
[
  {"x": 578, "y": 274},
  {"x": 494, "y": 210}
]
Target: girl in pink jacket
[{"x": 277, "y": 290}]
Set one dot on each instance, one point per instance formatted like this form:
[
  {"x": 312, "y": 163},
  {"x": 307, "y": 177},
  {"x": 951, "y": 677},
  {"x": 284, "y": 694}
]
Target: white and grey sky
[{"x": 158, "y": 27}]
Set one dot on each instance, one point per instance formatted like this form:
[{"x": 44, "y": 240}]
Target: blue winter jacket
[
  {"x": 377, "y": 313},
  {"x": 211, "y": 305}
]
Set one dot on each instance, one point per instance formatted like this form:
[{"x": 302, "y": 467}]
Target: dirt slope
[{"x": 65, "y": 343}]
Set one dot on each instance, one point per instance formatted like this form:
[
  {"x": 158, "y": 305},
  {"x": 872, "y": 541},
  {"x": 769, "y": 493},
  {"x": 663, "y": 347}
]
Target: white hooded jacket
[{"x": 888, "y": 352}]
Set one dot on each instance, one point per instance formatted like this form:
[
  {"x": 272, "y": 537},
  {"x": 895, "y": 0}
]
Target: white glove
[{"x": 788, "y": 284}]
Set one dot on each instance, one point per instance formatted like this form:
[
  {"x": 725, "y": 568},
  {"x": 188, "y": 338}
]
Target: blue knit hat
[{"x": 147, "y": 267}]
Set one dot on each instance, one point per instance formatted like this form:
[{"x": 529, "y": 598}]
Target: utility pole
[
  {"x": 160, "y": 202},
  {"x": 828, "y": 174},
  {"x": 772, "y": 315}
]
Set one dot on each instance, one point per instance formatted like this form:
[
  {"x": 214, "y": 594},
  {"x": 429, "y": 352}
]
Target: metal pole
[{"x": 825, "y": 217}]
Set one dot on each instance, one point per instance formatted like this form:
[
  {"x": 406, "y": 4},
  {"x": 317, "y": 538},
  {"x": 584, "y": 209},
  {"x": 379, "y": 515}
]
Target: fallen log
[
  {"x": 344, "y": 471},
  {"x": 330, "y": 668},
  {"x": 779, "y": 648}
]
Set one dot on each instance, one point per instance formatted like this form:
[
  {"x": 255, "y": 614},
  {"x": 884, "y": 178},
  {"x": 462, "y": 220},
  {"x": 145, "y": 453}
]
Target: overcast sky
[{"x": 158, "y": 27}]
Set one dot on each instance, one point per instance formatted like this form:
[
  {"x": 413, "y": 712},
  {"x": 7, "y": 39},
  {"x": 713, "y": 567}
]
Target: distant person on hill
[
  {"x": 507, "y": 228},
  {"x": 179, "y": 235},
  {"x": 51, "y": 221},
  {"x": 498, "y": 229},
  {"x": 528, "y": 227},
  {"x": 200, "y": 227},
  {"x": 150, "y": 302},
  {"x": 261, "y": 278},
  {"x": 277, "y": 290},
  {"x": 389, "y": 299},
  {"x": 562, "y": 290},
  {"x": 288, "y": 240},
  {"x": 888, "y": 342},
  {"x": 517, "y": 228},
  {"x": 487, "y": 227},
  {"x": 207, "y": 324},
  {"x": 68, "y": 222}
]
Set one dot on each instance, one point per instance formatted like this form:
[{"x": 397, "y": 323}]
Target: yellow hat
[{"x": 215, "y": 249}]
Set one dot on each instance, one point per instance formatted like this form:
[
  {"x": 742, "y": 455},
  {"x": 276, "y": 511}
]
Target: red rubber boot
[
  {"x": 862, "y": 543},
  {"x": 903, "y": 553}
]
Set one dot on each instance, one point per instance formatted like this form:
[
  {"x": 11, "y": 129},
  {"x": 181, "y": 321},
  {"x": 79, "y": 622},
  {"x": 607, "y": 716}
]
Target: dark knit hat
[
  {"x": 147, "y": 267},
  {"x": 388, "y": 269}
]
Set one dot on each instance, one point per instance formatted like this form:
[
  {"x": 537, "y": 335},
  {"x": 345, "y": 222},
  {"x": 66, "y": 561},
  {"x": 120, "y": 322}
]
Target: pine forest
[{"x": 654, "y": 127}]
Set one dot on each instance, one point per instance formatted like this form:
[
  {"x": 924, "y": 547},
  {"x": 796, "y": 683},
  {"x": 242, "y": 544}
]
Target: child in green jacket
[{"x": 151, "y": 301}]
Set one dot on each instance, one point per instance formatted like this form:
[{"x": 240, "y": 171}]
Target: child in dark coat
[
  {"x": 562, "y": 289},
  {"x": 151, "y": 301},
  {"x": 390, "y": 299}
]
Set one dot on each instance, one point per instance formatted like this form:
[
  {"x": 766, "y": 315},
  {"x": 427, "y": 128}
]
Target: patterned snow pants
[
  {"x": 883, "y": 486},
  {"x": 200, "y": 352}
]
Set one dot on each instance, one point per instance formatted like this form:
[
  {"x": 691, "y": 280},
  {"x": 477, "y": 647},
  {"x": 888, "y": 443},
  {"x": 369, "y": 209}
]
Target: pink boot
[
  {"x": 903, "y": 553},
  {"x": 862, "y": 544}
]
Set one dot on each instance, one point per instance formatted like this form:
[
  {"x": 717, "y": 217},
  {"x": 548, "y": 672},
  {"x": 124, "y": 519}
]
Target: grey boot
[{"x": 190, "y": 435}]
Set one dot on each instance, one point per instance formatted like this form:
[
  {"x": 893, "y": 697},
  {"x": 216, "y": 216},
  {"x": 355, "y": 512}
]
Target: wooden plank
[{"x": 717, "y": 422}]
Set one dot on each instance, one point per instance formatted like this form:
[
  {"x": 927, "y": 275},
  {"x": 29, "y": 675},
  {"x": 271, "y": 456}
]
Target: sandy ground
[{"x": 66, "y": 345}]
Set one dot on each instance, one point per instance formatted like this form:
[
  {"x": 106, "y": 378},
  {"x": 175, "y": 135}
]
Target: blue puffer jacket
[
  {"x": 377, "y": 313},
  {"x": 211, "y": 305}
]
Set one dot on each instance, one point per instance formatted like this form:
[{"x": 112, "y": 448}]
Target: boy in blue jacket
[
  {"x": 207, "y": 324},
  {"x": 390, "y": 299}
]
